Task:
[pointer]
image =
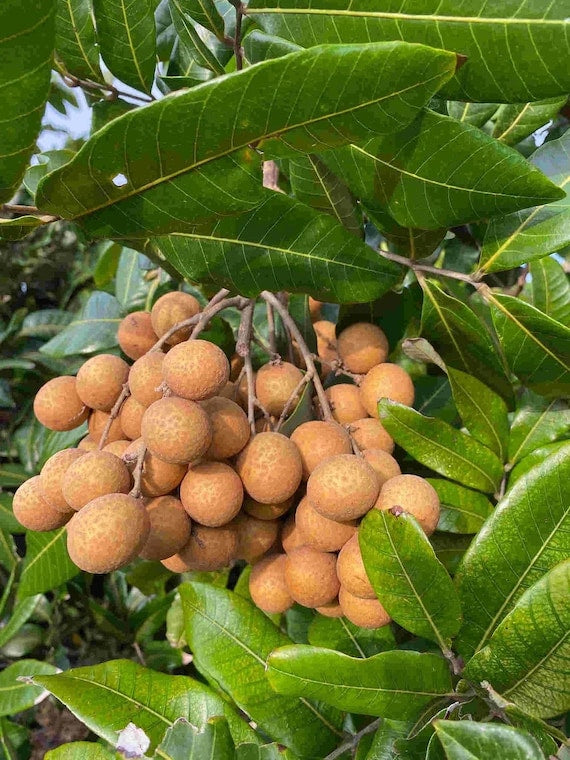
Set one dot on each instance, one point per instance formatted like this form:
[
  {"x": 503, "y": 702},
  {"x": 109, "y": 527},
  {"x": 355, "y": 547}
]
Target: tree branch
[
  {"x": 352, "y": 743},
  {"x": 243, "y": 349},
  {"x": 87, "y": 84},
  {"x": 114, "y": 413},
  {"x": 413, "y": 265},
  {"x": 238, "y": 50}
]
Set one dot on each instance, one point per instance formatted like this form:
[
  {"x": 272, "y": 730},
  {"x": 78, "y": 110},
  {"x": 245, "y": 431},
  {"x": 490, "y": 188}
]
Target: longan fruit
[
  {"x": 270, "y": 468},
  {"x": 320, "y": 532},
  {"x": 345, "y": 403},
  {"x": 100, "y": 381},
  {"x": 131, "y": 418},
  {"x": 97, "y": 423},
  {"x": 361, "y": 346},
  {"x": 169, "y": 310},
  {"x": 383, "y": 464},
  {"x": 196, "y": 369},
  {"x": 265, "y": 425},
  {"x": 365, "y": 613},
  {"x": 209, "y": 548},
  {"x": 314, "y": 308},
  {"x": 95, "y": 474},
  {"x": 212, "y": 493},
  {"x": 369, "y": 433},
  {"x": 57, "y": 405},
  {"x": 135, "y": 334},
  {"x": 343, "y": 488},
  {"x": 412, "y": 494},
  {"x": 291, "y": 537},
  {"x": 108, "y": 533},
  {"x": 117, "y": 448},
  {"x": 266, "y": 511},
  {"x": 52, "y": 474},
  {"x": 267, "y": 585},
  {"x": 274, "y": 385},
  {"x": 145, "y": 377},
  {"x": 176, "y": 430},
  {"x": 175, "y": 564},
  {"x": 255, "y": 537},
  {"x": 330, "y": 610},
  {"x": 32, "y": 510},
  {"x": 169, "y": 528},
  {"x": 236, "y": 366},
  {"x": 158, "y": 477},
  {"x": 311, "y": 576},
  {"x": 228, "y": 391},
  {"x": 88, "y": 444},
  {"x": 317, "y": 441},
  {"x": 386, "y": 381},
  {"x": 326, "y": 340},
  {"x": 230, "y": 427},
  {"x": 351, "y": 572}
]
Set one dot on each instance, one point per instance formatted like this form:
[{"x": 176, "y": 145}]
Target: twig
[
  {"x": 114, "y": 413},
  {"x": 238, "y": 50},
  {"x": 471, "y": 279},
  {"x": 205, "y": 316},
  {"x": 338, "y": 368},
  {"x": 243, "y": 349},
  {"x": 135, "y": 491},
  {"x": 209, "y": 310},
  {"x": 271, "y": 330},
  {"x": 521, "y": 279},
  {"x": 17, "y": 208},
  {"x": 352, "y": 743},
  {"x": 88, "y": 84},
  {"x": 139, "y": 653},
  {"x": 305, "y": 380}
]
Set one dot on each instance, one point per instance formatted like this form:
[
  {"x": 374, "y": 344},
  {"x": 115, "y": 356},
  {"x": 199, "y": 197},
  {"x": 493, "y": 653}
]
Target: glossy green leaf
[
  {"x": 410, "y": 582},
  {"x": 526, "y": 535},
  {"x": 81, "y": 751},
  {"x": 105, "y": 111},
  {"x": 16, "y": 695},
  {"x": 183, "y": 741},
  {"x": 26, "y": 50},
  {"x": 442, "y": 448},
  {"x": 462, "y": 510},
  {"x": 76, "y": 40},
  {"x": 536, "y": 423},
  {"x": 526, "y": 657},
  {"x": 7, "y": 520},
  {"x": 388, "y": 733},
  {"x": 20, "y": 615},
  {"x": 231, "y": 640},
  {"x": 47, "y": 162},
  {"x": 469, "y": 740},
  {"x": 131, "y": 286},
  {"x": 391, "y": 684},
  {"x": 46, "y": 564},
  {"x": 515, "y": 122},
  {"x": 205, "y": 12},
  {"x": 434, "y": 399},
  {"x": 261, "y": 47},
  {"x": 282, "y": 244},
  {"x": 8, "y": 556},
  {"x": 548, "y": 736},
  {"x": 189, "y": 174},
  {"x": 343, "y": 636},
  {"x": 190, "y": 39},
  {"x": 127, "y": 38},
  {"x": 551, "y": 289},
  {"x": 536, "y": 457},
  {"x": 17, "y": 229},
  {"x": 476, "y": 114},
  {"x": 450, "y": 548},
  {"x": 537, "y": 347}
]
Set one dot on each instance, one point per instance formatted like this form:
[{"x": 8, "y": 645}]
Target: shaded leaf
[
  {"x": 468, "y": 740},
  {"x": 131, "y": 285},
  {"x": 261, "y": 47},
  {"x": 449, "y": 548},
  {"x": 45, "y": 323},
  {"x": 191, "y": 40},
  {"x": 385, "y": 737},
  {"x": 462, "y": 510},
  {"x": 515, "y": 122},
  {"x": 46, "y": 564},
  {"x": 343, "y": 636},
  {"x": 471, "y": 113},
  {"x": 76, "y": 41},
  {"x": 20, "y": 615},
  {"x": 8, "y": 556},
  {"x": 17, "y": 229},
  {"x": 183, "y": 741},
  {"x": 11, "y": 474},
  {"x": 205, "y": 12},
  {"x": 550, "y": 289},
  {"x": 533, "y": 459},
  {"x": 105, "y": 111},
  {"x": 47, "y": 162},
  {"x": 16, "y": 695},
  {"x": 80, "y": 751},
  {"x": 536, "y": 423}
]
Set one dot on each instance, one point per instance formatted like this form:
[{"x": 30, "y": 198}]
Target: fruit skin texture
[
  {"x": 131, "y": 418},
  {"x": 386, "y": 381},
  {"x": 412, "y": 494},
  {"x": 100, "y": 381},
  {"x": 117, "y": 448},
  {"x": 270, "y": 468},
  {"x": 255, "y": 537},
  {"x": 170, "y": 309},
  {"x": 291, "y": 537},
  {"x": 383, "y": 464},
  {"x": 326, "y": 340},
  {"x": 343, "y": 488},
  {"x": 330, "y": 610},
  {"x": 268, "y": 587},
  {"x": 52, "y": 474},
  {"x": 145, "y": 376},
  {"x": 97, "y": 422},
  {"x": 208, "y": 548},
  {"x": 317, "y": 441},
  {"x": 196, "y": 369},
  {"x": 351, "y": 572},
  {"x": 230, "y": 427},
  {"x": 169, "y": 528},
  {"x": 274, "y": 385},
  {"x": 87, "y": 444},
  {"x": 33, "y": 512},
  {"x": 361, "y": 346},
  {"x": 135, "y": 334},
  {"x": 57, "y": 405},
  {"x": 176, "y": 430},
  {"x": 320, "y": 532},
  {"x": 95, "y": 474},
  {"x": 345, "y": 402},
  {"x": 369, "y": 433},
  {"x": 266, "y": 511},
  {"x": 311, "y": 576},
  {"x": 108, "y": 533},
  {"x": 366, "y": 613},
  {"x": 211, "y": 493},
  {"x": 158, "y": 477}
]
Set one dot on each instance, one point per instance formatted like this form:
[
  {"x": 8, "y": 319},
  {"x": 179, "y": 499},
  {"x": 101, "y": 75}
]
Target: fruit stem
[
  {"x": 243, "y": 349},
  {"x": 205, "y": 316},
  {"x": 305, "y": 380},
  {"x": 271, "y": 329},
  {"x": 135, "y": 491},
  {"x": 115, "y": 411}
]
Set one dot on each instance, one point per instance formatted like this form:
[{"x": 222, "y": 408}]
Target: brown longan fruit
[
  {"x": 108, "y": 533},
  {"x": 414, "y": 495},
  {"x": 117, "y": 448},
  {"x": 267, "y": 585},
  {"x": 145, "y": 378},
  {"x": 317, "y": 441},
  {"x": 176, "y": 430},
  {"x": 33, "y": 512},
  {"x": 311, "y": 576},
  {"x": 209, "y": 548},
  {"x": 100, "y": 381},
  {"x": 369, "y": 433},
  {"x": 386, "y": 381},
  {"x": 326, "y": 340},
  {"x": 383, "y": 464},
  {"x": 196, "y": 369},
  {"x": 365, "y": 613},
  {"x": 320, "y": 532},
  {"x": 158, "y": 477},
  {"x": 95, "y": 474},
  {"x": 212, "y": 493},
  {"x": 135, "y": 334},
  {"x": 266, "y": 511},
  {"x": 52, "y": 474},
  {"x": 255, "y": 537},
  {"x": 169, "y": 310},
  {"x": 314, "y": 308},
  {"x": 88, "y": 444},
  {"x": 97, "y": 422},
  {"x": 274, "y": 385},
  {"x": 270, "y": 468},
  {"x": 169, "y": 528},
  {"x": 291, "y": 537},
  {"x": 345, "y": 402},
  {"x": 351, "y": 572},
  {"x": 175, "y": 564},
  {"x": 236, "y": 366},
  {"x": 57, "y": 405},
  {"x": 331, "y": 610},
  {"x": 361, "y": 346},
  {"x": 131, "y": 418},
  {"x": 230, "y": 427},
  {"x": 343, "y": 488},
  {"x": 228, "y": 391}
]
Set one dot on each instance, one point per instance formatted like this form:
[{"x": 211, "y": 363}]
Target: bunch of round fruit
[{"x": 172, "y": 471}]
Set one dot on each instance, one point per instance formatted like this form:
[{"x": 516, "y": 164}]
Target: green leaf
[
  {"x": 515, "y": 122},
  {"x": 205, "y": 12},
  {"x": 183, "y": 741},
  {"x": 127, "y": 38},
  {"x": 48, "y": 161},
  {"x": 105, "y": 111},
  {"x": 20, "y": 615},
  {"x": 442, "y": 448},
  {"x": 409, "y": 581},
  {"x": 536, "y": 423},
  {"x": 45, "y": 323},
  {"x": 526, "y": 535},
  {"x": 194, "y": 164},
  {"x": 545, "y": 734},
  {"x": 231, "y": 641},
  {"x": 512, "y": 50},
  {"x": 282, "y": 244},
  {"x": 131, "y": 286},
  {"x": 476, "y": 114},
  {"x": 46, "y": 564},
  {"x": 343, "y": 636},
  {"x": 17, "y": 229},
  {"x": 15, "y": 695},
  {"x": 536, "y": 347},
  {"x": 390, "y": 684},
  {"x": 260, "y": 47},
  {"x": 468, "y": 740},
  {"x": 26, "y": 50},
  {"x": 8, "y": 555},
  {"x": 265, "y": 752},
  {"x": 533, "y": 459},
  {"x": 76, "y": 41},
  {"x": 80, "y": 751},
  {"x": 551, "y": 289},
  {"x": 450, "y": 548},
  {"x": 191, "y": 41},
  {"x": 462, "y": 510},
  {"x": 385, "y": 737}
]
